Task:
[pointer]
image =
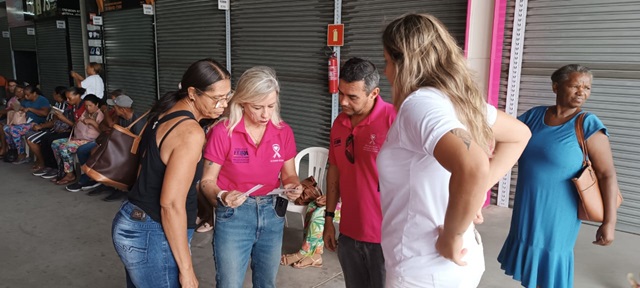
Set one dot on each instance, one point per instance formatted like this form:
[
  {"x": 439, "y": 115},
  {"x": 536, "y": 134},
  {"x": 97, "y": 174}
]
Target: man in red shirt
[{"x": 356, "y": 137}]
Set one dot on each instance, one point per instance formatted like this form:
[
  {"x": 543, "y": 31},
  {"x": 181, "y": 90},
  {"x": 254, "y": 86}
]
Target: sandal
[
  {"x": 289, "y": 259},
  {"x": 203, "y": 227},
  {"x": 65, "y": 181},
  {"x": 309, "y": 262}
]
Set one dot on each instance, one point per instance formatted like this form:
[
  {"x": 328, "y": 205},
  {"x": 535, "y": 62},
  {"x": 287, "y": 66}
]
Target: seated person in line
[
  {"x": 36, "y": 108},
  {"x": 13, "y": 105},
  {"x": 52, "y": 126},
  {"x": 109, "y": 112},
  {"x": 312, "y": 245},
  {"x": 93, "y": 83},
  {"x": 65, "y": 120},
  {"x": 10, "y": 90},
  {"x": 84, "y": 131},
  {"x": 125, "y": 115}
]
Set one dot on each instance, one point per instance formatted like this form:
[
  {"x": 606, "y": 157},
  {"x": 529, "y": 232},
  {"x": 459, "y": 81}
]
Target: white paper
[
  {"x": 60, "y": 24},
  {"x": 97, "y": 20},
  {"x": 223, "y": 4},
  {"x": 254, "y": 189},
  {"x": 147, "y": 9},
  {"x": 6, "y": 34},
  {"x": 31, "y": 31}
]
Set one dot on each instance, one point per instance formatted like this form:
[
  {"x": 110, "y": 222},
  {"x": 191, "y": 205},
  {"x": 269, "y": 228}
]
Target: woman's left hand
[
  {"x": 605, "y": 234},
  {"x": 90, "y": 121},
  {"x": 293, "y": 195}
]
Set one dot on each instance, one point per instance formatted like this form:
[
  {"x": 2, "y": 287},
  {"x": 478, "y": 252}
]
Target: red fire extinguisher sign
[{"x": 335, "y": 35}]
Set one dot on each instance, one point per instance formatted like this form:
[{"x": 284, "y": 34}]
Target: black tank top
[{"x": 145, "y": 193}]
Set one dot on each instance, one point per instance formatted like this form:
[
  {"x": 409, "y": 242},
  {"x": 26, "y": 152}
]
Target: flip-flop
[{"x": 204, "y": 226}]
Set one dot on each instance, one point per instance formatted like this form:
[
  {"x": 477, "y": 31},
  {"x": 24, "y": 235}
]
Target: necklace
[{"x": 257, "y": 137}]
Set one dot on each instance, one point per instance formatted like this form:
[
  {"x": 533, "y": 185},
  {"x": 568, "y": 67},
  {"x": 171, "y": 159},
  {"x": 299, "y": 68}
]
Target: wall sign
[
  {"x": 97, "y": 20},
  {"x": 31, "y": 31},
  {"x": 147, "y": 9},
  {"x": 61, "y": 24},
  {"x": 6, "y": 34},
  {"x": 223, "y": 4},
  {"x": 335, "y": 35}
]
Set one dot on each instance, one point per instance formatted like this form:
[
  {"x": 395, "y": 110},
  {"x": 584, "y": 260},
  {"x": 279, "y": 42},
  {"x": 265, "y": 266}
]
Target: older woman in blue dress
[{"x": 538, "y": 251}]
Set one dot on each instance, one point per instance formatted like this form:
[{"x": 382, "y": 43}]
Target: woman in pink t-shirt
[
  {"x": 251, "y": 149},
  {"x": 84, "y": 131}
]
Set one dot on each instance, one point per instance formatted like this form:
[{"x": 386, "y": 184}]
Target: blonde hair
[
  {"x": 254, "y": 86},
  {"x": 426, "y": 55}
]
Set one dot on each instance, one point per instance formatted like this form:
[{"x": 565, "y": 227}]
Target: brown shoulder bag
[
  {"x": 115, "y": 161},
  {"x": 591, "y": 205},
  {"x": 310, "y": 191}
]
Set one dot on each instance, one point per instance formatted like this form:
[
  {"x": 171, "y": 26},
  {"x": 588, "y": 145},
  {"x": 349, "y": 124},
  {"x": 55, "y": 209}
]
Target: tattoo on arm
[{"x": 463, "y": 135}]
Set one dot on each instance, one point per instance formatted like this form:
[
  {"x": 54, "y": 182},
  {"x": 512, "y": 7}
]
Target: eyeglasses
[
  {"x": 216, "y": 99},
  {"x": 348, "y": 149}
]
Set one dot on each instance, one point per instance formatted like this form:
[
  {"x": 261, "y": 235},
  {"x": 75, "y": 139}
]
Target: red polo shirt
[{"x": 361, "y": 217}]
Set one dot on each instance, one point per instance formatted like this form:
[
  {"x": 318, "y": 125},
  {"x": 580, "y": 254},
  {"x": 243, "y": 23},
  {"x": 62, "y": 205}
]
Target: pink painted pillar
[{"x": 497, "y": 37}]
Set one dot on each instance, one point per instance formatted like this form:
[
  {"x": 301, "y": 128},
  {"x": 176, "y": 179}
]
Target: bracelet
[{"x": 329, "y": 214}]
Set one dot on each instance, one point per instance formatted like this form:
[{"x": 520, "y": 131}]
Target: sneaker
[
  {"x": 52, "y": 173},
  {"x": 115, "y": 195},
  {"x": 90, "y": 185},
  {"x": 41, "y": 171},
  {"x": 75, "y": 187}
]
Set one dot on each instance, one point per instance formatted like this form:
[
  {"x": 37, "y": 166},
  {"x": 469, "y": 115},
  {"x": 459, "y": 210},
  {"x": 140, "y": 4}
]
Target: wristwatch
[
  {"x": 220, "y": 197},
  {"x": 329, "y": 214}
]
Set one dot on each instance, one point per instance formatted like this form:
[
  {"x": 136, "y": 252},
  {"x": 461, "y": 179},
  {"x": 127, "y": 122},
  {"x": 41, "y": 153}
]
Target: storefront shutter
[
  {"x": 6, "y": 64},
  {"x": 53, "y": 60},
  {"x": 187, "y": 31},
  {"x": 602, "y": 35},
  {"x": 20, "y": 41},
  {"x": 290, "y": 37},
  {"x": 74, "y": 26},
  {"x": 365, "y": 20},
  {"x": 130, "y": 56}
]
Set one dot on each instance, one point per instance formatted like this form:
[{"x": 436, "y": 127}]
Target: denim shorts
[{"x": 144, "y": 250}]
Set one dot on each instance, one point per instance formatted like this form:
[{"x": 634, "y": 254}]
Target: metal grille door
[{"x": 53, "y": 61}]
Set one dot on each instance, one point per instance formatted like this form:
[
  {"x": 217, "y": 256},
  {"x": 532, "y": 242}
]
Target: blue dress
[{"x": 539, "y": 248}]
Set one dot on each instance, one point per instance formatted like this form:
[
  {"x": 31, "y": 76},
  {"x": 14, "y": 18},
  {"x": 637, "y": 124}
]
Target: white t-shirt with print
[
  {"x": 414, "y": 188},
  {"x": 94, "y": 85}
]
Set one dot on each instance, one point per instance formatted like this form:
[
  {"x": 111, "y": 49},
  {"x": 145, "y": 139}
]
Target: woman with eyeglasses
[
  {"x": 249, "y": 154},
  {"x": 153, "y": 229},
  {"x": 446, "y": 148}
]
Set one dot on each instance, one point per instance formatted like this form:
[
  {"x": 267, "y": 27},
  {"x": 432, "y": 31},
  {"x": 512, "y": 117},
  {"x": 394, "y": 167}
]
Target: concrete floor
[{"x": 54, "y": 238}]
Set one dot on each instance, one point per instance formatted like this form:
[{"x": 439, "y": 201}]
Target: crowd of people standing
[{"x": 406, "y": 180}]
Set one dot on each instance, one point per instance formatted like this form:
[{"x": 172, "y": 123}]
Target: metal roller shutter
[
  {"x": 130, "y": 56},
  {"x": 187, "y": 31},
  {"x": 290, "y": 37},
  {"x": 504, "y": 75},
  {"x": 53, "y": 60},
  {"x": 603, "y": 35},
  {"x": 74, "y": 26},
  {"x": 364, "y": 21},
  {"x": 6, "y": 63},
  {"x": 20, "y": 41}
]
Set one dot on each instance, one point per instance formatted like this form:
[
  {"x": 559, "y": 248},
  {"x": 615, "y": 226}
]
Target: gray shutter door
[
  {"x": 53, "y": 60},
  {"x": 6, "y": 64},
  {"x": 74, "y": 26},
  {"x": 290, "y": 37},
  {"x": 130, "y": 56},
  {"x": 364, "y": 22},
  {"x": 187, "y": 31},
  {"x": 602, "y": 35},
  {"x": 20, "y": 41}
]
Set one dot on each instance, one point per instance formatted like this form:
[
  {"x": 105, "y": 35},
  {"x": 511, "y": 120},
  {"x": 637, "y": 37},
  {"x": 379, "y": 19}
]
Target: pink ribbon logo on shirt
[
  {"x": 276, "y": 150},
  {"x": 373, "y": 139}
]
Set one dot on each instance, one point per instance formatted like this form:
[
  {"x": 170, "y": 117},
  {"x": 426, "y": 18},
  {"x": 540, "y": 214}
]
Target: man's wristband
[{"x": 329, "y": 214}]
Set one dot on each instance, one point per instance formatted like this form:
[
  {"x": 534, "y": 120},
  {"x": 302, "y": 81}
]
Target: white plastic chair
[{"x": 317, "y": 168}]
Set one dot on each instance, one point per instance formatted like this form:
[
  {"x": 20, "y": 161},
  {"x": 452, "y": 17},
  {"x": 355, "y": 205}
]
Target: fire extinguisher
[{"x": 333, "y": 74}]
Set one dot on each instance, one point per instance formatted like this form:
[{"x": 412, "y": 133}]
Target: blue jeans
[
  {"x": 144, "y": 250},
  {"x": 83, "y": 154},
  {"x": 251, "y": 231}
]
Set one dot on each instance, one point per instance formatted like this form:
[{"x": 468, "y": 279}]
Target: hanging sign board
[
  {"x": 97, "y": 20},
  {"x": 60, "y": 24},
  {"x": 223, "y": 4},
  {"x": 335, "y": 35},
  {"x": 147, "y": 9}
]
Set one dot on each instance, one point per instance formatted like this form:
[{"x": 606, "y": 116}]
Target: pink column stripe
[{"x": 499, "y": 14}]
